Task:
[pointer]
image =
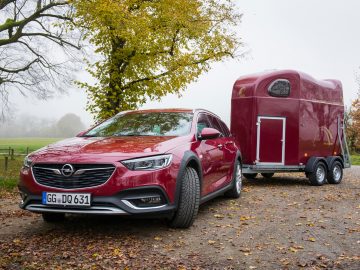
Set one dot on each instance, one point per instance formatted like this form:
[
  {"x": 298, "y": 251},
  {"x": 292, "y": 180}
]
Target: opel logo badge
[{"x": 67, "y": 170}]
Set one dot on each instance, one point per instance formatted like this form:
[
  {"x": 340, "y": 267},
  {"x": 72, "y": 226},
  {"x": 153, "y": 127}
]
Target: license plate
[{"x": 75, "y": 199}]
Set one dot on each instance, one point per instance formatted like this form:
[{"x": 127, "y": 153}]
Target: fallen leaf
[{"x": 312, "y": 239}]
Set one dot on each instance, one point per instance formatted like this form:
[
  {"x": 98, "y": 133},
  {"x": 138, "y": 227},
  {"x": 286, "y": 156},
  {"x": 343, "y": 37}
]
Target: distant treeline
[{"x": 30, "y": 126}]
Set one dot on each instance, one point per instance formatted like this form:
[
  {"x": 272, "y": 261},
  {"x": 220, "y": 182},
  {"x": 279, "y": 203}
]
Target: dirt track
[{"x": 282, "y": 223}]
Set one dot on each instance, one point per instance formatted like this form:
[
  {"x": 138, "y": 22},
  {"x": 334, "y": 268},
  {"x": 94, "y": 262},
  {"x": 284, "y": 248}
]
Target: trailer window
[{"x": 279, "y": 88}]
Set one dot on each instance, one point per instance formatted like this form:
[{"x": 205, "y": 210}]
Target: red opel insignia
[{"x": 161, "y": 163}]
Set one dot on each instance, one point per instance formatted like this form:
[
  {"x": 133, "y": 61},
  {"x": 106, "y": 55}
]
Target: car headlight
[
  {"x": 148, "y": 163},
  {"x": 27, "y": 162}
]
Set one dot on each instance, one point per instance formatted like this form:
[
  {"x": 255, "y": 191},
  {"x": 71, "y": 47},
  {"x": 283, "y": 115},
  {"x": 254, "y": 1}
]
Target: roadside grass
[
  {"x": 355, "y": 159},
  {"x": 9, "y": 178},
  {"x": 20, "y": 144}
]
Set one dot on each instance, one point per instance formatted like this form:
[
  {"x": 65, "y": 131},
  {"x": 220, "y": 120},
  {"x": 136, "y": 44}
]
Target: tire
[
  {"x": 335, "y": 174},
  {"x": 250, "y": 175},
  {"x": 53, "y": 217},
  {"x": 189, "y": 200},
  {"x": 318, "y": 176},
  {"x": 235, "y": 190},
  {"x": 267, "y": 175}
]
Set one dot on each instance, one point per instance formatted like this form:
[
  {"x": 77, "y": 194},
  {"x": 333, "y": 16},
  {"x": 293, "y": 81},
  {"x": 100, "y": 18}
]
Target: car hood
[{"x": 110, "y": 149}]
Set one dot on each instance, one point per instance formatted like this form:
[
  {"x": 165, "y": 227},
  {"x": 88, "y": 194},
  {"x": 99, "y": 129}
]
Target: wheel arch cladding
[
  {"x": 190, "y": 159},
  {"x": 238, "y": 156},
  {"x": 313, "y": 161}
]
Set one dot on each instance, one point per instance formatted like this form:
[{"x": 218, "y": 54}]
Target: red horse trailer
[{"x": 286, "y": 121}]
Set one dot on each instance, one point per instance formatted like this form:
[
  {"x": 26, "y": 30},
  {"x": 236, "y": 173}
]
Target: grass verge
[{"x": 355, "y": 160}]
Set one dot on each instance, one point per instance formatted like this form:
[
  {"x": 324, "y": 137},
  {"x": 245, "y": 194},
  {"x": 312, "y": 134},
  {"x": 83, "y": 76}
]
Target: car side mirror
[{"x": 209, "y": 133}]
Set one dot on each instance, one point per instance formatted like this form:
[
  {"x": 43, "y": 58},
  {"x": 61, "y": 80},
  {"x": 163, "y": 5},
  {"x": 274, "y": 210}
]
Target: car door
[
  {"x": 209, "y": 154},
  {"x": 226, "y": 152}
]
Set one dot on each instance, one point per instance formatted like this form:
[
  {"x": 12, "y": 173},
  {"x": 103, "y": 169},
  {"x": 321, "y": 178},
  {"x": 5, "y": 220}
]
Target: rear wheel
[
  {"x": 250, "y": 175},
  {"x": 189, "y": 200},
  {"x": 235, "y": 191},
  {"x": 53, "y": 217},
  {"x": 267, "y": 175},
  {"x": 335, "y": 173},
  {"x": 318, "y": 176}
]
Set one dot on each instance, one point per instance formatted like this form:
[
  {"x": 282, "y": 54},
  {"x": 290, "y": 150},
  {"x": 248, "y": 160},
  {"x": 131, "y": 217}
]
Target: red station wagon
[{"x": 148, "y": 162}]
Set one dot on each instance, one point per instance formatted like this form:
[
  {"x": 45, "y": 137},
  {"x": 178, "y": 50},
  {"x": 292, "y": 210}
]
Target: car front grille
[{"x": 83, "y": 176}]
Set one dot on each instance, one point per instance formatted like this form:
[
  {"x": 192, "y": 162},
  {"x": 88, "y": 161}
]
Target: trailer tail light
[{"x": 306, "y": 154}]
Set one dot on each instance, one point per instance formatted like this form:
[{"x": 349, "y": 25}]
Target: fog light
[{"x": 151, "y": 200}]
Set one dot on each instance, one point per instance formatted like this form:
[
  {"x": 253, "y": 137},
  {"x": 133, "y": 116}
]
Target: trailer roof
[{"x": 306, "y": 86}]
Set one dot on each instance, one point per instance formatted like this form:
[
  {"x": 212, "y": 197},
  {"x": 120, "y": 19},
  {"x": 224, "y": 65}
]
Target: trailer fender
[
  {"x": 330, "y": 160},
  {"x": 312, "y": 162}
]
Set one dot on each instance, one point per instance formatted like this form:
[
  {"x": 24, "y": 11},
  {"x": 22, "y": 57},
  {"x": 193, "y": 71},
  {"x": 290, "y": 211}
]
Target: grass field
[
  {"x": 355, "y": 159},
  {"x": 20, "y": 144},
  {"x": 9, "y": 178}
]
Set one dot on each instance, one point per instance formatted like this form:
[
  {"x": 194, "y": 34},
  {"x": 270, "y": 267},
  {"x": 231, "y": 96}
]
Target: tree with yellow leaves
[
  {"x": 150, "y": 48},
  {"x": 353, "y": 129}
]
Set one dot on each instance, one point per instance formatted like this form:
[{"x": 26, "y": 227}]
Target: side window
[
  {"x": 225, "y": 129},
  {"x": 279, "y": 88},
  {"x": 202, "y": 122},
  {"x": 215, "y": 124}
]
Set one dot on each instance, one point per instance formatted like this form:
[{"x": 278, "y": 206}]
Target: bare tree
[{"x": 37, "y": 48}]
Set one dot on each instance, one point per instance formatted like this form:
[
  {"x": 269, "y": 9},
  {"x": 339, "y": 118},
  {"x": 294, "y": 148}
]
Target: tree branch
[
  {"x": 4, "y": 3},
  {"x": 21, "y": 24},
  {"x": 20, "y": 69}
]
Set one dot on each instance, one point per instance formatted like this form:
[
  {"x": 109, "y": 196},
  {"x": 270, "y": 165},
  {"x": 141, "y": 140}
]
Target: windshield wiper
[{"x": 134, "y": 134}]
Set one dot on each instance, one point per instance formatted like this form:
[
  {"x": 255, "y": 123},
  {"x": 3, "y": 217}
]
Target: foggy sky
[{"x": 317, "y": 37}]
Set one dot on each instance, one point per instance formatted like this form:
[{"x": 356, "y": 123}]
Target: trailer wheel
[
  {"x": 335, "y": 173},
  {"x": 249, "y": 175},
  {"x": 318, "y": 176},
  {"x": 267, "y": 175}
]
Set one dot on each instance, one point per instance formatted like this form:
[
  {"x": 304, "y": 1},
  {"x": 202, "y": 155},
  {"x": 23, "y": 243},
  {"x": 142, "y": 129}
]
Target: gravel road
[{"x": 281, "y": 223}]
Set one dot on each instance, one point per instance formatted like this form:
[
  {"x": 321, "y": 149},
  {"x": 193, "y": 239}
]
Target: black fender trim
[
  {"x": 330, "y": 160},
  {"x": 239, "y": 156},
  {"x": 189, "y": 156},
  {"x": 309, "y": 168}
]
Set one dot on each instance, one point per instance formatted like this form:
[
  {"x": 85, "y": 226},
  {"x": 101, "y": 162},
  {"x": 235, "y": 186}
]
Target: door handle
[{"x": 220, "y": 146}]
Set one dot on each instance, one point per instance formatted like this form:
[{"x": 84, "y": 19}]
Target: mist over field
[{"x": 23, "y": 125}]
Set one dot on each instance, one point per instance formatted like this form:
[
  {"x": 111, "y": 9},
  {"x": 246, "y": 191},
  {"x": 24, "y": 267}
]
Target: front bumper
[{"x": 121, "y": 203}]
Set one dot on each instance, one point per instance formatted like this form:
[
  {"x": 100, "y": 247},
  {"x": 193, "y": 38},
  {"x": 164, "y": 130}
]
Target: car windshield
[{"x": 144, "y": 124}]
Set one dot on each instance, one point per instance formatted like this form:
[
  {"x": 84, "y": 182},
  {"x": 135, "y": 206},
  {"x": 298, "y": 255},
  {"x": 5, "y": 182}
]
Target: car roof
[{"x": 176, "y": 110}]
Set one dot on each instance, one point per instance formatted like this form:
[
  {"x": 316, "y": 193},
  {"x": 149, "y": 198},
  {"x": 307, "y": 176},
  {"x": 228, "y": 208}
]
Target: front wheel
[
  {"x": 235, "y": 190},
  {"x": 318, "y": 176},
  {"x": 335, "y": 173},
  {"x": 189, "y": 200}
]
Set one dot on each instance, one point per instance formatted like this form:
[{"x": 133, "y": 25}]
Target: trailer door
[{"x": 270, "y": 147}]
